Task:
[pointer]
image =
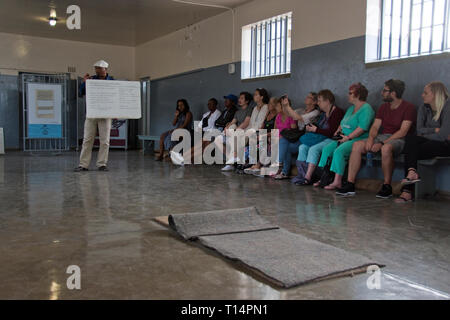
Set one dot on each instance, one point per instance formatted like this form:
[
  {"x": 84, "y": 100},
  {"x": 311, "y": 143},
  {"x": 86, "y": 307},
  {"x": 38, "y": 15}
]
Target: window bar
[
  {"x": 410, "y": 27},
  {"x": 401, "y": 31},
  {"x": 421, "y": 30},
  {"x": 432, "y": 26},
  {"x": 265, "y": 54},
  {"x": 279, "y": 57},
  {"x": 390, "y": 30},
  {"x": 275, "y": 51},
  {"x": 260, "y": 49},
  {"x": 251, "y": 53},
  {"x": 254, "y": 44},
  {"x": 445, "y": 44},
  {"x": 285, "y": 42},
  {"x": 380, "y": 31},
  {"x": 270, "y": 47}
]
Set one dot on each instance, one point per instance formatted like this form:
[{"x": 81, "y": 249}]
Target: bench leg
[
  {"x": 148, "y": 146},
  {"x": 427, "y": 186}
]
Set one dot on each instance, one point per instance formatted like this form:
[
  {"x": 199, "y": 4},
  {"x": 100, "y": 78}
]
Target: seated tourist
[
  {"x": 259, "y": 113},
  {"x": 269, "y": 124},
  {"x": 397, "y": 117},
  {"x": 182, "y": 120},
  {"x": 354, "y": 126},
  {"x": 228, "y": 114},
  {"x": 317, "y": 136},
  {"x": 206, "y": 124},
  {"x": 304, "y": 116},
  {"x": 241, "y": 120},
  {"x": 284, "y": 122},
  {"x": 432, "y": 139}
]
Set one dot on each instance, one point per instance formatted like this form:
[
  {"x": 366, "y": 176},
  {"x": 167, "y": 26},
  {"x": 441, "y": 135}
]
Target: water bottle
[{"x": 369, "y": 158}]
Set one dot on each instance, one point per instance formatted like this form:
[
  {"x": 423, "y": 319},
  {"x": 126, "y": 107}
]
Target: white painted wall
[
  {"x": 209, "y": 42},
  {"x": 25, "y": 53}
]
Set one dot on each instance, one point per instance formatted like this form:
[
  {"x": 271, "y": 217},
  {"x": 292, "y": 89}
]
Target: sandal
[
  {"x": 408, "y": 181},
  {"x": 304, "y": 182},
  {"x": 281, "y": 176},
  {"x": 402, "y": 199}
]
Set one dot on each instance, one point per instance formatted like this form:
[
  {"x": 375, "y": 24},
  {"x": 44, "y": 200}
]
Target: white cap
[{"x": 101, "y": 64}]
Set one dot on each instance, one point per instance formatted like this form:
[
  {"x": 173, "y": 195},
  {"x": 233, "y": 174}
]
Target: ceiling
[{"x": 120, "y": 22}]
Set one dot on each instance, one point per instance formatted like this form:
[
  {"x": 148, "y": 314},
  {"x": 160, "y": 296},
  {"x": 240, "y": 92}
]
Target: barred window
[
  {"x": 406, "y": 28},
  {"x": 266, "y": 47}
]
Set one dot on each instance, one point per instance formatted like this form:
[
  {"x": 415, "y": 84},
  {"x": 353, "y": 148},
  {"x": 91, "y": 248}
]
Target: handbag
[
  {"x": 311, "y": 138},
  {"x": 292, "y": 135}
]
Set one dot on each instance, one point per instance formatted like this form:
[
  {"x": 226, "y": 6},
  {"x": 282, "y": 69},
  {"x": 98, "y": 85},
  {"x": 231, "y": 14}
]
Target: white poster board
[
  {"x": 108, "y": 99},
  {"x": 44, "y": 110}
]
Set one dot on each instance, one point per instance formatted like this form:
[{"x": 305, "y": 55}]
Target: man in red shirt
[{"x": 397, "y": 118}]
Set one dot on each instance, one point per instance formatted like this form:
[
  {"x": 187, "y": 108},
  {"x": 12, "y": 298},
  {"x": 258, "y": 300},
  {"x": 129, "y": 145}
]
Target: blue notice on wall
[{"x": 44, "y": 131}]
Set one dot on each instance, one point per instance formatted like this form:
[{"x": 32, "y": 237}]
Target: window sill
[
  {"x": 275, "y": 76},
  {"x": 381, "y": 63}
]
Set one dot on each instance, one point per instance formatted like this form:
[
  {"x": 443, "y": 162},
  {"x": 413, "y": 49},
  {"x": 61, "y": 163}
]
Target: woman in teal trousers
[{"x": 354, "y": 126}]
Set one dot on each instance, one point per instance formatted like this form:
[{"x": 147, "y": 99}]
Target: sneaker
[
  {"x": 103, "y": 168},
  {"x": 228, "y": 167},
  {"x": 80, "y": 168},
  {"x": 233, "y": 160},
  {"x": 385, "y": 192},
  {"x": 348, "y": 189},
  {"x": 177, "y": 158}
]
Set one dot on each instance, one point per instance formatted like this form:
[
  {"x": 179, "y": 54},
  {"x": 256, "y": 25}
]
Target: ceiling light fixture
[{"x": 52, "y": 19}]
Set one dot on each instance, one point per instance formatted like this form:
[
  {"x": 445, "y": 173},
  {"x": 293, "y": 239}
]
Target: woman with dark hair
[
  {"x": 259, "y": 113},
  {"x": 354, "y": 126},
  {"x": 317, "y": 137},
  {"x": 182, "y": 120}
]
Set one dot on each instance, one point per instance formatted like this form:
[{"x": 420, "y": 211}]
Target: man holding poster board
[
  {"x": 105, "y": 100},
  {"x": 91, "y": 124}
]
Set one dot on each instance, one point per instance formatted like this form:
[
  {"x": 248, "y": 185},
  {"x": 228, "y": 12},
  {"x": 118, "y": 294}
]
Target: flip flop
[{"x": 408, "y": 181}]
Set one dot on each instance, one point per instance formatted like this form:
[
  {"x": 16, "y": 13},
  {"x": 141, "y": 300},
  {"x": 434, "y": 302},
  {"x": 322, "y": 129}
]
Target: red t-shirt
[{"x": 391, "y": 120}]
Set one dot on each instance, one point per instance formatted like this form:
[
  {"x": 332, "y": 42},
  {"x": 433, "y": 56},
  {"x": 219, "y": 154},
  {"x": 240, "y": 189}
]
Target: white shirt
[
  {"x": 211, "y": 121},
  {"x": 258, "y": 116},
  {"x": 307, "y": 117}
]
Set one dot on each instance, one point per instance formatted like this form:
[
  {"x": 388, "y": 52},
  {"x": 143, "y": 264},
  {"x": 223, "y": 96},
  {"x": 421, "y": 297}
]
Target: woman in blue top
[
  {"x": 354, "y": 126},
  {"x": 182, "y": 120}
]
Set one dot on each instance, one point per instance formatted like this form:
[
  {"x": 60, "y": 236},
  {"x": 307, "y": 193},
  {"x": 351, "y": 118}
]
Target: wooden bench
[
  {"x": 427, "y": 186},
  {"x": 148, "y": 143}
]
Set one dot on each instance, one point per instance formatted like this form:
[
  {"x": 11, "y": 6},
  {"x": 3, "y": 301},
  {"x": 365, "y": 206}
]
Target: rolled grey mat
[
  {"x": 287, "y": 259},
  {"x": 193, "y": 225}
]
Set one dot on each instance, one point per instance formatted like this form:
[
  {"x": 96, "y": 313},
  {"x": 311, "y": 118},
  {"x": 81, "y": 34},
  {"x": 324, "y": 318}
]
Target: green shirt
[{"x": 363, "y": 119}]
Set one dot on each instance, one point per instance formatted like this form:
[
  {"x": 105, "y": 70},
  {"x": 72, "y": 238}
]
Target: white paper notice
[{"x": 108, "y": 99}]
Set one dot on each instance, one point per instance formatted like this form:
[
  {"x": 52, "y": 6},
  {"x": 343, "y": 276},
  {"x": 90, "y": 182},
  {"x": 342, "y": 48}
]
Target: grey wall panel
[
  {"x": 9, "y": 110},
  {"x": 334, "y": 66}
]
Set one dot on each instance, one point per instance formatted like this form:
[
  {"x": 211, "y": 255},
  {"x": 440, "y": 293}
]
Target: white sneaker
[
  {"x": 177, "y": 158},
  {"x": 228, "y": 167},
  {"x": 233, "y": 160}
]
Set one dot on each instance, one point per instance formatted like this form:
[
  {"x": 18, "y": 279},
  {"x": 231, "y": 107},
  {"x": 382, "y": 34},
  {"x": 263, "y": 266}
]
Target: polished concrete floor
[{"x": 51, "y": 218}]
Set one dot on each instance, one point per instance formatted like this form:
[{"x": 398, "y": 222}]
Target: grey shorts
[{"x": 397, "y": 144}]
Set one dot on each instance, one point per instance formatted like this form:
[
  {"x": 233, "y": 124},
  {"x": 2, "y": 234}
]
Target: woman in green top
[{"x": 354, "y": 126}]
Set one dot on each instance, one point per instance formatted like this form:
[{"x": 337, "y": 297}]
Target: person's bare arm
[
  {"x": 372, "y": 135},
  {"x": 355, "y": 134},
  {"x": 244, "y": 124},
  {"x": 402, "y": 132}
]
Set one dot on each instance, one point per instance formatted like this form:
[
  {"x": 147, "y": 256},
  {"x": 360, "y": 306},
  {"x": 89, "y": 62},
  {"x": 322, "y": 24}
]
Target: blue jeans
[
  {"x": 312, "y": 154},
  {"x": 286, "y": 149}
]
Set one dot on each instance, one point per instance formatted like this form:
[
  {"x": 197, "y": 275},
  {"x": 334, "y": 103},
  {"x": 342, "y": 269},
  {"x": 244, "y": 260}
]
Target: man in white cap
[{"x": 90, "y": 126}]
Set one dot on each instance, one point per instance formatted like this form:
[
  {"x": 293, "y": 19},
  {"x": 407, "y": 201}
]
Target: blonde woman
[{"x": 432, "y": 139}]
